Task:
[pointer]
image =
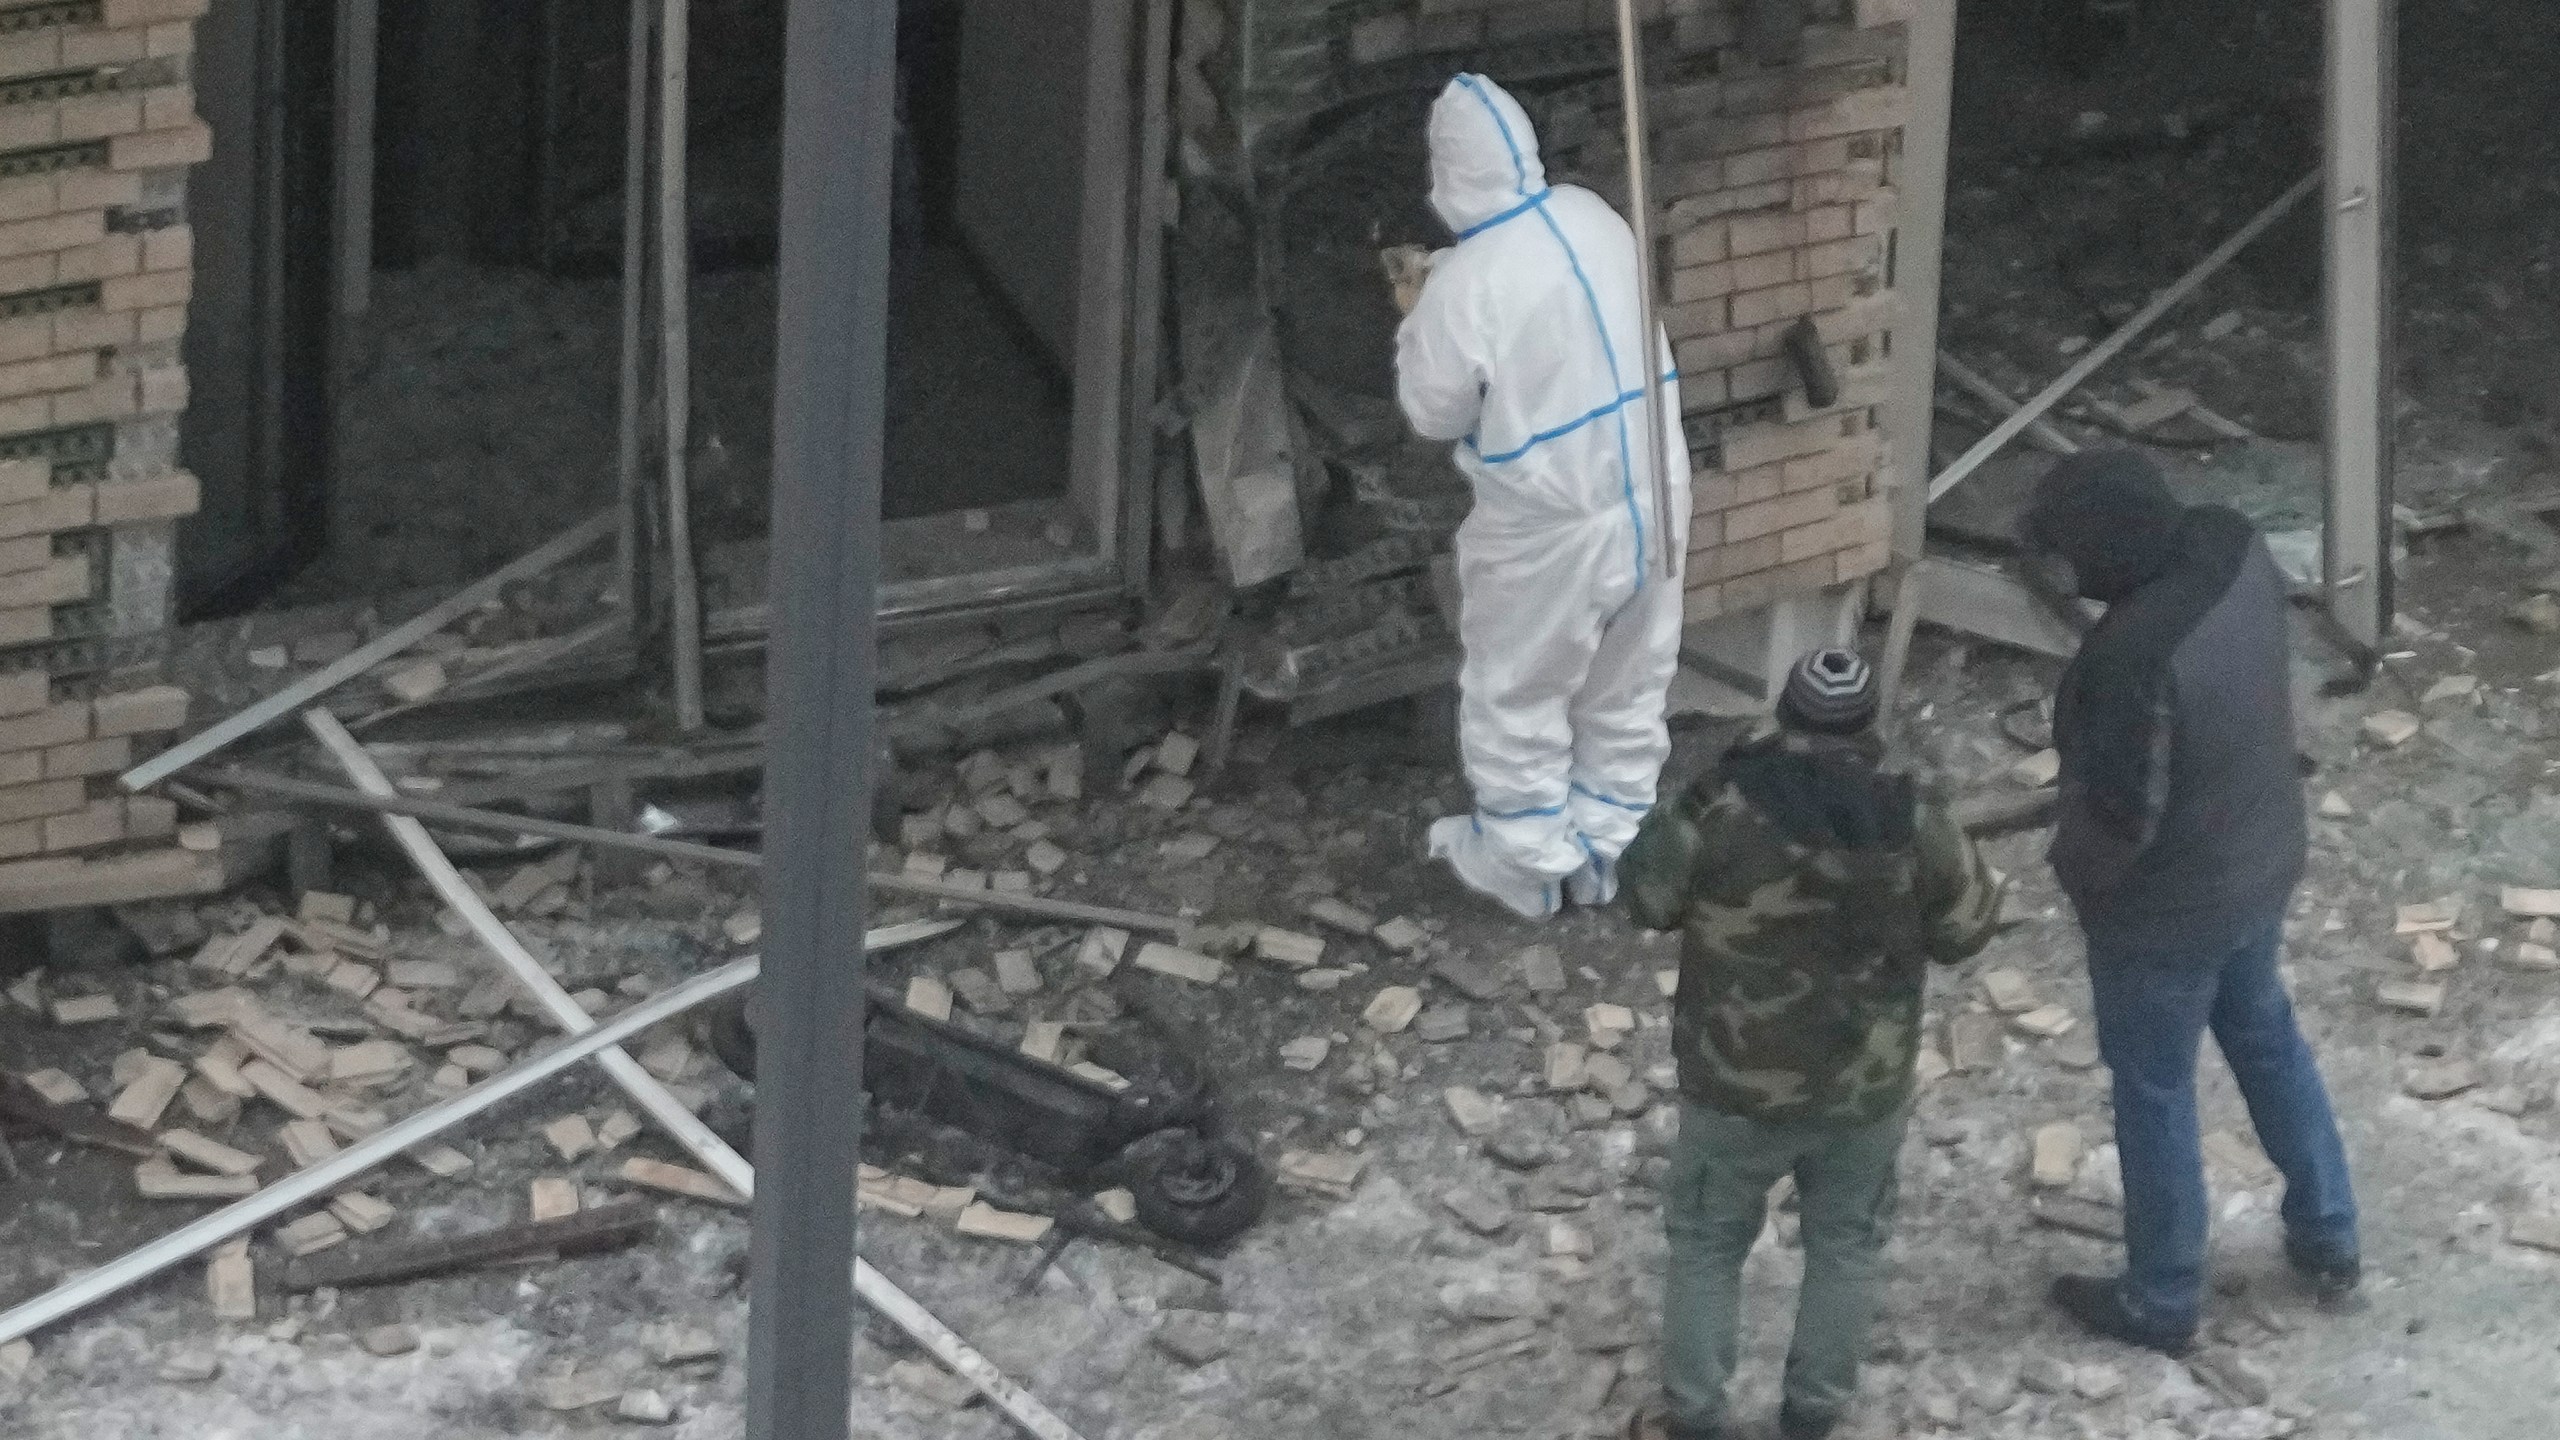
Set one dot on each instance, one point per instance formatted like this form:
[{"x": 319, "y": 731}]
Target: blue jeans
[{"x": 2153, "y": 1010}]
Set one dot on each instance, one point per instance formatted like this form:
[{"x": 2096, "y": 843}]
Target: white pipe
[
  {"x": 1640, "y": 220},
  {"x": 341, "y": 1169}
]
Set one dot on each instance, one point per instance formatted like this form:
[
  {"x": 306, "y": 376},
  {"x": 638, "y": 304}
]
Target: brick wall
[
  {"x": 98, "y": 128},
  {"x": 1774, "y": 198}
]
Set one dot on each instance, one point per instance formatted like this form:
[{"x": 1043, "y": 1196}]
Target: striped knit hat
[{"x": 1829, "y": 692}]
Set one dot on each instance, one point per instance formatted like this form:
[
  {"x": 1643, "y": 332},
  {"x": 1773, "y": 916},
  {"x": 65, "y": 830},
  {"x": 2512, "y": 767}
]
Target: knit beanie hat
[
  {"x": 2110, "y": 514},
  {"x": 1829, "y": 692}
]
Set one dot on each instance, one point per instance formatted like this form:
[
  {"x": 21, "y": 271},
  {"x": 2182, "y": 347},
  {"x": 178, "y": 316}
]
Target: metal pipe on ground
[
  {"x": 680, "y": 1124},
  {"x": 2105, "y": 350},
  {"x": 369, "y": 1153},
  {"x": 364, "y": 657},
  {"x": 307, "y": 792}
]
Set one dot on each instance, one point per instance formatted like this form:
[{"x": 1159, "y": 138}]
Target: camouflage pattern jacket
[{"x": 1812, "y": 883}]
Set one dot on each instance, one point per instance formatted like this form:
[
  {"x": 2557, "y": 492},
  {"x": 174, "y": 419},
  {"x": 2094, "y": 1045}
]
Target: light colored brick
[
  {"x": 1762, "y": 231},
  {"x": 1777, "y": 302},
  {"x": 1767, "y": 444},
  {"x": 112, "y": 398},
  {"x": 42, "y": 800},
  {"x": 28, "y": 127},
  {"x": 1853, "y": 459},
  {"x": 1771, "y": 517},
  {"x": 44, "y": 729},
  {"x": 58, "y": 582},
  {"x": 1719, "y": 350},
  {"x": 1701, "y": 603},
  {"x": 163, "y": 497},
  {"x": 32, "y": 53},
  {"x": 28, "y": 337},
  {"x": 1760, "y": 380},
  {"x": 1878, "y": 215},
  {"x": 98, "y": 117},
  {"x": 168, "y": 107},
  {"x": 1802, "y": 577},
  {"x": 1702, "y": 282},
  {"x": 1885, "y": 108},
  {"x": 101, "y": 822},
  {"x": 1760, "y": 272},
  {"x": 164, "y": 390},
  {"x": 46, "y": 376},
  {"x": 52, "y": 233},
  {"x": 25, "y": 553},
  {"x": 108, "y": 257},
  {"x": 124, "y": 14},
  {"x": 1702, "y": 244},
  {"x": 142, "y": 712},
  {"x": 87, "y": 327},
  {"x": 1863, "y": 561},
  {"x": 22, "y": 273},
  {"x": 162, "y": 149},
  {"x": 1702, "y": 391},
  {"x": 21, "y": 839},
  {"x": 1843, "y": 257},
  {"x": 171, "y": 247},
  {"x": 147, "y": 291},
  {"x": 162, "y": 42},
  {"x": 88, "y": 757},
  {"x": 97, "y": 189},
  {"x": 1820, "y": 537},
  {"x": 22, "y": 767},
  {"x": 1734, "y": 558},
  {"x": 1830, "y": 222},
  {"x": 26, "y": 627},
  {"x": 65, "y": 507},
  {"x": 24, "y": 692},
  {"x": 30, "y": 197},
  {"x": 160, "y": 323},
  {"x": 111, "y": 45},
  {"x": 24, "y": 480},
  {"x": 1694, "y": 319}
]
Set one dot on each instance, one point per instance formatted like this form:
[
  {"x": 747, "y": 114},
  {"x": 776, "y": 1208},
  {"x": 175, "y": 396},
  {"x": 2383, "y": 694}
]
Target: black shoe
[
  {"x": 2333, "y": 1278},
  {"x": 1796, "y": 1425},
  {"x": 2099, "y": 1305}
]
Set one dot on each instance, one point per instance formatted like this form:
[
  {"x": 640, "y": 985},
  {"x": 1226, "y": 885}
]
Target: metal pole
[
  {"x": 2356, "y": 533},
  {"x": 1640, "y": 220},
  {"x": 364, "y": 657},
  {"x": 336, "y": 1172},
  {"x": 675, "y": 363},
  {"x": 830, "y": 387},
  {"x": 2107, "y": 349},
  {"x": 635, "y": 259}
]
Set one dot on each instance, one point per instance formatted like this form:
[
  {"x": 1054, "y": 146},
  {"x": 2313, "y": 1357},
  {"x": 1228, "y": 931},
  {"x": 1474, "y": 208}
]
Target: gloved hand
[{"x": 1407, "y": 267}]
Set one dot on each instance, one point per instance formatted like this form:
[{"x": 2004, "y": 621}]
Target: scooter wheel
[
  {"x": 730, "y": 1036},
  {"x": 1202, "y": 1192}
]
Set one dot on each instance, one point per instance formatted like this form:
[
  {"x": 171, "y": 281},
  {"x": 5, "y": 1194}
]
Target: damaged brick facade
[
  {"x": 1774, "y": 190},
  {"x": 98, "y": 129}
]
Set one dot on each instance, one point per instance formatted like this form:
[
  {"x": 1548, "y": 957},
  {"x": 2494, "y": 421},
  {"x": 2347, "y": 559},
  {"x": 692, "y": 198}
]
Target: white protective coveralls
[{"x": 1522, "y": 350}]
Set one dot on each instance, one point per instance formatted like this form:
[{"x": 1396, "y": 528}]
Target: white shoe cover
[{"x": 1526, "y": 894}]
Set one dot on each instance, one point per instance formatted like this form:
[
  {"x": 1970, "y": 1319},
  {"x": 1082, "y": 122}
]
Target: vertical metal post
[
  {"x": 830, "y": 386},
  {"x": 1640, "y": 219},
  {"x": 1916, "y": 260},
  {"x": 2356, "y": 549},
  {"x": 635, "y": 259},
  {"x": 675, "y": 360}
]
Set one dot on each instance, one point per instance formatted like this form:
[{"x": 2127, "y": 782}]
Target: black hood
[{"x": 2111, "y": 515}]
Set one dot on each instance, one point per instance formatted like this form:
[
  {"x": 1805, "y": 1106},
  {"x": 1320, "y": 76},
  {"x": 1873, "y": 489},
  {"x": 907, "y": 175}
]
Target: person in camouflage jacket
[{"x": 1812, "y": 882}]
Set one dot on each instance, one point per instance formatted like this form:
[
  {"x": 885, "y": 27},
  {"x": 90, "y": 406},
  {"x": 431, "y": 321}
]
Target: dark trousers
[{"x": 2153, "y": 1010}]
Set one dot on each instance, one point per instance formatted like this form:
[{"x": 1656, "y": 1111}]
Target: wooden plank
[
  {"x": 2356, "y": 539},
  {"x": 1979, "y": 600},
  {"x": 607, "y": 1227}
]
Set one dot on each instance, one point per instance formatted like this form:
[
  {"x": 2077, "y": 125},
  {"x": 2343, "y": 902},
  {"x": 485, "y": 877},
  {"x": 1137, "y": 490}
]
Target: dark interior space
[{"x": 479, "y": 405}]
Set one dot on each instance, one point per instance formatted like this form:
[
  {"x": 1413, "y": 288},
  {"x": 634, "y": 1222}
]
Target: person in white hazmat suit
[{"x": 1521, "y": 348}]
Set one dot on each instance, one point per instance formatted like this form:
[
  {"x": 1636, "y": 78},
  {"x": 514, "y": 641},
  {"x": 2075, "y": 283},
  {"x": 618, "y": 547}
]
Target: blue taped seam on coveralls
[{"x": 1510, "y": 354}]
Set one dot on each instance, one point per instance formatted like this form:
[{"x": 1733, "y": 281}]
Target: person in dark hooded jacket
[{"x": 2180, "y": 837}]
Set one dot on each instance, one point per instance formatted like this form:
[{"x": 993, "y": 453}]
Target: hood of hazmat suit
[{"x": 1523, "y": 352}]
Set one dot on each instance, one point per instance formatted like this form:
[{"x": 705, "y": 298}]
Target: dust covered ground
[{"x": 1342, "y": 1317}]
